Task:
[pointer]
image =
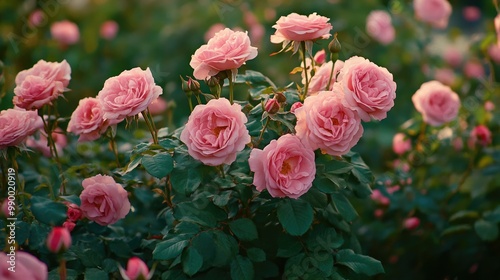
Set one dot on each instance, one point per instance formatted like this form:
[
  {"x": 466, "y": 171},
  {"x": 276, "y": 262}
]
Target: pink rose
[
  {"x": 411, "y": 223},
  {"x": 158, "y": 106},
  {"x": 299, "y": 28},
  {"x": 27, "y": 267},
  {"x": 227, "y": 50},
  {"x": 295, "y": 106},
  {"x": 213, "y": 30},
  {"x": 445, "y": 76},
  {"x": 109, "y": 29},
  {"x": 88, "y": 120},
  {"x": 41, "y": 84},
  {"x": 41, "y": 144},
  {"x": 37, "y": 18},
  {"x": 74, "y": 212},
  {"x": 401, "y": 144},
  {"x": 319, "y": 81},
  {"x": 434, "y": 12},
  {"x": 379, "y": 27},
  {"x": 69, "y": 225},
  {"x": 17, "y": 125},
  {"x": 471, "y": 13},
  {"x": 103, "y": 200},
  {"x": 474, "y": 69},
  {"x": 453, "y": 57},
  {"x": 285, "y": 167},
  {"x": 136, "y": 270},
  {"x": 216, "y": 132},
  {"x": 65, "y": 32},
  {"x": 494, "y": 53},
  {"x": 368, "y": 89},
  {"x": 378, "y": 197},
  {"x": 489, "y": 106},
  {"x": 58, "y": 240},
  {"x": 480, "y": 135},
  {"x": 320, "y": 57},
  {"x": 128, "y": 94},
  {"x": 437, "y": 103},
  {"x": 325, "y": 123},
  {"x": 272, "y": 106}
]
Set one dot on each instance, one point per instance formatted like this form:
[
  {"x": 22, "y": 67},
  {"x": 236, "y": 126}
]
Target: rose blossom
[
  {"x": 411, "y": 223},
  {"x": 489, "y": 106},
  {"x": 436, "y": 102},
  {"x": 136, "y": 269},
  {"x": 471, "y": 13},
  {"x": 88, "y": 120},
  {"x": 285, "y": 167},
  {"x": 27, "y": 267},
  {"x": 103, "y": 200},
  {"x": 494, "y": 53},
  {"x": 453, "y": 56},
  {"x": 212, "y": 30},
  {"x": 319, "y": 81},
  {"x": 400, "y": 144},
  {"x": 216, "y": 132},
  {"x": 379, "y": 27},
  {"x": 325, "y": 123},
  {"x": 74, "y": 212},
  {"x": 17, "y": 125},
  {"x": 474, "y": 69},
  {"x": 368, "y": 89},
  {"x": 41, "y": 144},
  {"x": 295, "y": 106},
  {"x": 227, "y": 50},
  {"x": 37, "y": 18},
  {"x": 434, "y": 12},
  {"x": 41, "y": 84},
  {"x": 480, "y": 135},
  {"x": 109, "y": 29},
  {"x": 65, "y": 32},
  {"x": 378, "y": 197},
  {"x": 445, "y": 76},
  {"x": 128, "y": 94},
  {"x": 299, "y": 28},
  {"x": 320, "y": 57},
  {"x": 69, "y": 225}
]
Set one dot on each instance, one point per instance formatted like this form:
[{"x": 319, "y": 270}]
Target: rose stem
[
  {"x": 52, "y": 145},
  {"x": 303, "y": 47}
]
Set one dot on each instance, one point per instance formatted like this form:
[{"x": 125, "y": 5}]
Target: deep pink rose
[
  {"x": 378, "y": 197},
  {"x": 494, "y": 53},
  {"x": 216, "y": 132},
  {"x": 480, "y": 135},
  {"x": 109, "y": 29},
  {"x": 401, "y": 144},
  {"x": 88, "y": 120},
  {"x": 17, "y": 125},
  {"x": 58, "y": 240},
  {"x": 368, "y": 89},
  {"x": 411, "y": 223},
  {"x": 298, "y": 28},
  {"x": 325, "y": 123},
  {"x": 136, "y": 269},
  {"x": 227, "y": 50},
  {"x": 445, "y": 76},
  {"x": 379, "y": 27},
  {"x": 437, "y": 103},
  {"x": 128, "y": 94},
  {"x": 65, "y": 32},
  {"x": 41, "y": 84},
  {"x": 41, "y": 143},
  {"x": 434, "y": 12},
  {"x": 103, "y": 200},
  {"x": 74, "y": 212},
  {"x": 319, "y": 81},
  {"x": 27, "y": 267},
  {"x": 285, "y": 167}
]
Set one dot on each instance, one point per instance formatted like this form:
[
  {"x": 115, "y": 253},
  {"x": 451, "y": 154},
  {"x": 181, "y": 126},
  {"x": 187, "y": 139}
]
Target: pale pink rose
[
  {"x": 158, "y": 106},
  {"x": 494, "y": 53},
  {"x": 41, "y": 143},
  {"x": 445, "y": 76},
  {"x": 227, "y": 50},
  {"x": 434, "y": 12},
  {"x": 368, "y": 89},
  {"x": 41, "y": 84},
  {"x": 285, "y": 167},
  {"x": 58, "y": 240},
  {"x": 128, "y": 94},
  {"x": 320, "y": 57},
  {"x": 212, "y": 30},
  {"x": 489, "y": 106},
  {"x": 103, "y": 200},
  {"x": 325, "y": 123},
  {"x": 437, "y": 103},
  {"x": 136, "y": 270},
  {"x": 411, "y": 223},
  {"x": 401, "y": 144},
  {"x": 480, "y": 135},
  {"x": 471, "y": 13},
  {"x": 379, "y": 198},
  {"x": 65, "y": 32},
  {"x": 379, "y": 27},
  {"x": 26, "y": 267},
  {"x": 257, "y": 32},
  {"x": 295, "y": 106},
  {"x": 88, "y": 120},
  {"x": 37, "y": 18},
  {"x": 299, "y": 28},
  {"x": 216, "y": 132},
  {"x": 319, "y": 81},
  {"x": 474, "y": 69},
  {"x": 453, "y": 57},
  {"x": 109, "y": 29},
  {"x": 17, "y": 125}
]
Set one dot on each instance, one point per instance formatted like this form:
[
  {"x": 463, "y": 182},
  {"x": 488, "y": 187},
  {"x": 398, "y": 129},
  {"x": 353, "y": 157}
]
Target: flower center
[
  {"x": 285, "y": 167},
  {"x": 218, "y": 129},
  {"x": 335, "y": 121}
]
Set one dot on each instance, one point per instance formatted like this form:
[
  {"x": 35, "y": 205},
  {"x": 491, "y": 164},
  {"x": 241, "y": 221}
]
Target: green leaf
[
  {"x": 95, "y": 274},
  {"x": 185, "y": 181},
  {"x": 191, "y": 261},
  {"x": 159, "y": 165},
  {"x": 169, "y": 249},
  {"x": 359, "y": 263},
  {"x": 456, "y": 229},
  {"x": 201, "y": 212},
  {"x": 244, "y": 229},
  {"x": 242, "y": 268},
  {"x": 256, "y": 254},
  {"x": 295, "y": 216},
  {"x": 344, "y": 207},
  {"x": 47, "y": 211},
  {"x": 486, "y": 230},
  {"x": 324, "y": 237},
  {"x": 464, "y": 214}
]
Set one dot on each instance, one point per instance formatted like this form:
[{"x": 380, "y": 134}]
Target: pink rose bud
[
  {"x": 453, "y": 57},
  {"x": 26, "y": 267},
  {"x": 74, "y": 213},
  {"x": 378, "y": 197},
  {"x": 378, "y": 213},
  {"x": 37, "y": 18},
  {"x": 69, "y": 225},
  {"x": 471, "y": 13},
  {"x": 295, "y": 106},
  {"x": 480, "y": 135},
  {"x": 489, "y": 106},
  {"x": 299, "y": 28},
  {"x": 401, "y": 144},
  {"x": 445, "y": 76},
  {"x": 59, "y": 240},
  {"x": 4, "y": 211},
  {"x": 272, "y": 106},
  {"x": 88, "y": 120},
  {"x": 17, "y": 125},
  {"x": 434, "y": 12},
  {"x": 158, "y": 106},
  {"x": 109, "y": 29},
  {"x": 280, "y": 97},
  {"x": 320, "y": 57},
  {"x": 136, "y": 270},
  {"x": 437, "y": 103},
  {"x": 474, "y": 69},
  {"x": 412, "y": 223},
  {"x": 379, "y": 27},
  {"x": 494, "y": 53},
  {"x": 65, "y": 32}
]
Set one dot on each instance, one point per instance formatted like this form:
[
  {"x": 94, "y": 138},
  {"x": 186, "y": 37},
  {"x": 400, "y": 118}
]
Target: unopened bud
[
  {"x": 185, "y": 87},
  {"x": 193, "y": 85},
  {"x": 212, "y": 81},
  {"x": 272, "y": 106},
  {"x": 59, "y": 240},
  {"x": 334, "y": 45},
  {"x": 280, "y": 97}
]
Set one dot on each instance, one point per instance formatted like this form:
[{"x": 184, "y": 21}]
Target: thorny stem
[
  {"x": 304, "y": 94},
  {"x": 333, "y": 58},
  {"x": 150, "y": 126},
  {"x": 53, "y": 149}
]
